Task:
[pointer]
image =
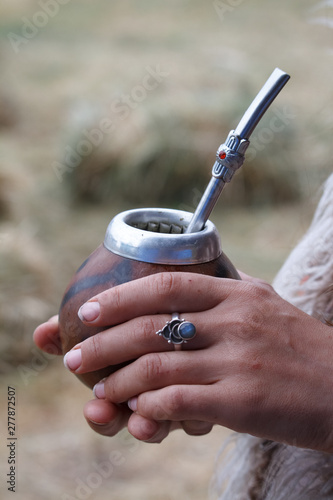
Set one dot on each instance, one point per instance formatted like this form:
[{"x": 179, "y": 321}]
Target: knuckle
[
  {"x": 165, "y": 284},
  {"x": 262, "y": 293},
  {"x": 95, "y": 349},
  {"x": 146, "y": 326},
  {"x": 174, "y": 402},
  {"x": 252, "y": 317},
  {"x": 152, "y": 367},
  {"x": 258, "y": 288},
  {"x": 111, "y": 300},
  {"x": 254, "y": 323},
  {"x": 105, "y": 299}
]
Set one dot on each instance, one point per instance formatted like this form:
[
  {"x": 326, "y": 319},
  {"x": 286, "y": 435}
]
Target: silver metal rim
[{"x": 156, "y": 235}]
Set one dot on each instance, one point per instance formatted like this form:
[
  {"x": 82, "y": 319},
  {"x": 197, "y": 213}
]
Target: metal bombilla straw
[
  {"x": 230, "y": 155},
  {"x": 229, "y": 158}
]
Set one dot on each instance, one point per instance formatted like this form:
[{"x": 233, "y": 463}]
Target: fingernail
[
  {"x": 73, "y": 359},
  {"x": 89, "y": 311},
  {"x": 97, "y": 423},
  {"x": 99, "y": 390},
  {"x": 133, "y": 404},
  {"x": 53, "y": 319},
  {"x": 196, "y": 427}
]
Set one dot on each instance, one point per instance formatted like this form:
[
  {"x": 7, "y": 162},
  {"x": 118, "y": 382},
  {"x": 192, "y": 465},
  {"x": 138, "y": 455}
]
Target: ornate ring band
[{"x": 177, "y": 330}]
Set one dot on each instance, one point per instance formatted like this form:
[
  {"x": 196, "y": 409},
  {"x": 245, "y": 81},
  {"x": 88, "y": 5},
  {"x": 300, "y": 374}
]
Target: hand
[
  {"x": 257, "y": 365},
  {"x": 105, "y": 417},
  {"x": 109, "y": 418}
]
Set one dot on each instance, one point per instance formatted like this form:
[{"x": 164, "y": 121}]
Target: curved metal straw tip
[
  {"x": 230, "y": 155},
  {"x": 260, "y": 104}
]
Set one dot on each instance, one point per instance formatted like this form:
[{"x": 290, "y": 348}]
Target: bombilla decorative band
[{"x": 230, "y": 155}]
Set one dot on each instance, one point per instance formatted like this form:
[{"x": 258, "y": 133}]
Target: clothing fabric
[{"x": 250, "y": 468}]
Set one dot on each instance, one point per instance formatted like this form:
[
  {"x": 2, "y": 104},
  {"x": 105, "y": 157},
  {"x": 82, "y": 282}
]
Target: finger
[
  {"x": 247, "y": 277},
  {"x": 212, "y": 404},
  {"x": 147, "y": 430},
  {"x": 46, "y": 336},
  {"x": 129, "y": 341},
  {"x": 106, "y": 418},
  {"x": 154, "y": 371},
  {"x": 158, "y": 293},
  {"x": 117, "y": 345},
  {"x": 196, "y": 427}
]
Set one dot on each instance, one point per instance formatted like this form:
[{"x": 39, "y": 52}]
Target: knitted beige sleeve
[{"x": 307, "y": 274}]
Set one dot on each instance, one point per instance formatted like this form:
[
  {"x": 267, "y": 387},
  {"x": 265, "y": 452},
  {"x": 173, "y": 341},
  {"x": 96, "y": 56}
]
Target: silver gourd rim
[{"x": 157, "y": 236}]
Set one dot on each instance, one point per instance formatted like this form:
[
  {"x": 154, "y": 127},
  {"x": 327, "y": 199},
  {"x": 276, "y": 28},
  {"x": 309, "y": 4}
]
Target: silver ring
[{"x": 177, "y": 331}]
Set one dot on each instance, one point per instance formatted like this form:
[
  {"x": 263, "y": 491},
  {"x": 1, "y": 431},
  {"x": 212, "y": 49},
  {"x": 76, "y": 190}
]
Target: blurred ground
[{"x": 119, "y": 104}]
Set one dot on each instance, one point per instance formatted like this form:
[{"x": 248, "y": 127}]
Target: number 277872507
[{"x": 11, "y": 411}]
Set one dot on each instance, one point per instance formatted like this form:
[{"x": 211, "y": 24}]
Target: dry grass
[{"x": 63, "y": 82}]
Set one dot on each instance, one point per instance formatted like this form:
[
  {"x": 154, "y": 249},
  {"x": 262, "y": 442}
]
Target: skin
[{"x": 257, "y": 364}]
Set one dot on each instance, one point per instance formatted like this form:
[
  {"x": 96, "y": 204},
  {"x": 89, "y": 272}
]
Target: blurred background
[{"x": 113, "y": 105}]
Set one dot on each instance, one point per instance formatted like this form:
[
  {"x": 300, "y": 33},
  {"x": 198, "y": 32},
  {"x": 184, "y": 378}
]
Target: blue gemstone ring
[{"x": 177, "y": 331}]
